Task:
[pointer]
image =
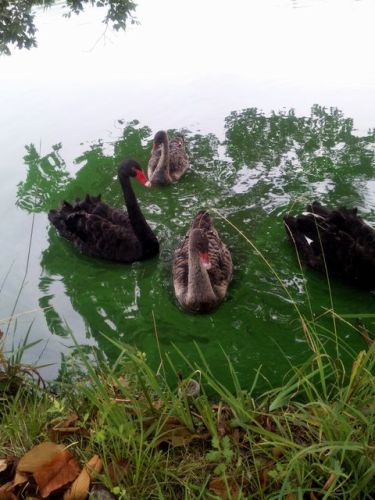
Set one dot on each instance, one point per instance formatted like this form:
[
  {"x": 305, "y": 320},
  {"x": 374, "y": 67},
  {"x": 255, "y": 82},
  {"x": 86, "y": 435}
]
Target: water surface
[{"x": 68, "y": 118}]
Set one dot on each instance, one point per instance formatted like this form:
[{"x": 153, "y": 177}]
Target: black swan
[
  {"x": 202, "y": 267},
  {"x": 101, "y": 231},
  {"x": 338, "y": 240},
  {"x": 168, "y": 161}
]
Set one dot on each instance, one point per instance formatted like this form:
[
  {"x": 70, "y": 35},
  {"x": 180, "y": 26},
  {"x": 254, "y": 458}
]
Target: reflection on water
[{"x": 270, "y": 164}]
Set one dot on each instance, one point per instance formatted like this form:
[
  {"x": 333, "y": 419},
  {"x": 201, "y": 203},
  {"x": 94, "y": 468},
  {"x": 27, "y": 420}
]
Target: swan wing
[
  {"x": 221, "y": 264},
  {"x": 153, "y": 161},
  {"x": 178, "y": 159},
  {"x": 106, "y": 233},
  {"x": 336, "y": 239},
  {"x": 180, "y": 268}
]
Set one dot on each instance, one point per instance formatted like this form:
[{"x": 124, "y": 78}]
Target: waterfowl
[
  {"x": 168, "y": 161},
  {"x": 202, "y": 267},
  {"x": 98, "y": 230},
  {"x": 337, "y": 240}
]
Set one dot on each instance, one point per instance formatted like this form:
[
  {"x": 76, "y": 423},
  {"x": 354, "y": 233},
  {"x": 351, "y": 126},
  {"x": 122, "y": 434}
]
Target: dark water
[{"x": 265, "y": 167}]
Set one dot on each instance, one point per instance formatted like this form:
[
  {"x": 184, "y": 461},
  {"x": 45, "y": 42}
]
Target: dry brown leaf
[
  {"x": 7, "y": 495},
  {"x": 290, "y": 496},
  {"x": 63, "y": 425},
  {"x": 79, "y": 490},
  {"x": 3, "y": 464},
  {"x": 277, "y": 452},
  {"x": 176, "y": 434},
  {"x": 157, "y": 404},
  {"x": 38, "y": 455},
  {"x": 312, "y": 496},
  {"x": 263, "y": 478},
  {"x": 329, "y": 481},
  {"x": 57, "y": 472},
  {"x": 20, "y": 478},
  {"x": 171, "y": 422},
  {"x": 263, "y": 474},
  {"x": 6, "y": 491},
  {"x": 181, "y": 436},
  {"x": 236, "y": 436},
  {"x": 219, "y": 487},
  {"x": 117, "y": 471}
]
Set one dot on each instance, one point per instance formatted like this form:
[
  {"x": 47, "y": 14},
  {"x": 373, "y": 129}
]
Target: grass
[{"x": 313, "y": 437}]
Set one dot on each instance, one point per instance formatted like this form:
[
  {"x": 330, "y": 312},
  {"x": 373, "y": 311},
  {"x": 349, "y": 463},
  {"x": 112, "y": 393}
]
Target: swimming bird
[
  {"x": 98, "y": 230},
  {"x": 337, "y": 240},
  {"x": 168, "y": 161},
  {"x": 202, "y": 267}
]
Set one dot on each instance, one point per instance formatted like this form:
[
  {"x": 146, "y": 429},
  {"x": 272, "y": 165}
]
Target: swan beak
[
  {"x": 205, "y": 260},
  {"x": 147, "y": 184}
]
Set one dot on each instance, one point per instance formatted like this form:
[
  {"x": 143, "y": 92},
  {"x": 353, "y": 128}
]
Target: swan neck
[
  {"x": 137, "y": 220},
  {"x": 199, "y": 283},
  {"x": 163, "y": 163}
]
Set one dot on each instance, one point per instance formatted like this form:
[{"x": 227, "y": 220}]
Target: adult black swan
[
  {"x": 98, "y": 230},
  {"x": 337, "y": 240},
  {"x": 168, "y": 161},
  {"x": 202, "y": 267}
]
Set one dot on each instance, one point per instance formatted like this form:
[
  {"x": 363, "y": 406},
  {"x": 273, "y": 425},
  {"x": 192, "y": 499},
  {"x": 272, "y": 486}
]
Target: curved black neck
[{"x": 140, "y": 227}]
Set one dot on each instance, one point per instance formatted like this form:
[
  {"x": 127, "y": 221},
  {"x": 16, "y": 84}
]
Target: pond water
[{"x": 81, "y": 102}]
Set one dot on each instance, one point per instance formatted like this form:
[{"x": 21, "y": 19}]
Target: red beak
[
  {"x": 205, "y": 259},
  {"x": 141, "y": 177}
]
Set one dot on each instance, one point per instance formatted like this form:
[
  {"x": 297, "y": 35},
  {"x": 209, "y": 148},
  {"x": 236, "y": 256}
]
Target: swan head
[
  {"x": 160, "y": 138},
  {"x": 131, "y": 168},
  {"x": 199, "y": 243}
]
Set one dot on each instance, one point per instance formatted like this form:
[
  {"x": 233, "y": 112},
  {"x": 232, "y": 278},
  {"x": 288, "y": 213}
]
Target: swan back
[
  {"x": 168, "y": 160},
  {"x": 336, "y": 239},
  {"x": 200, "y": 286},
  {"x": 98, "y": 230}
]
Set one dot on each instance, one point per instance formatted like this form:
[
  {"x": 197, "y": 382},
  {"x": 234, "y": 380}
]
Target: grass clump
[{"x": 312, "y": 437}]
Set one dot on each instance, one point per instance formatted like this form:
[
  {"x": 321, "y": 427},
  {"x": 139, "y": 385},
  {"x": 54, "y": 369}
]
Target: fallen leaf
[
  {"x": 263, "y": 478},
  {"x": 6, "y": 491},
  {"x": 277, "y": 452},
  {"x": 176, "y": 434},
  {"x": 7, "y": 495},
  {"x": 38, "y": 455},
  {"x": 79, "y": 490},
  {"x": 157, "y": 404},
  {"x": 236, "y": 436},
  {"x": 181, "y": 436},
  {"x": 329, "y": 481},
  {"x": 57, "y": 472},
  {"x": 263, "y": 475},
  {"x": 20, "y": 478},
  {"x": 117, "y": 471},
  {"x": 63, "y": 425},
  {"x": 3, "y": 464},
  {"x": 219, "y": 487}
]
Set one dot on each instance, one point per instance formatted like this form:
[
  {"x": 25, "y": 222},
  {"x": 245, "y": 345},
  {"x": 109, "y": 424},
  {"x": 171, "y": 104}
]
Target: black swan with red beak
[
  {"x": 98, "y": 230},
  {"x": 168, "y": 161},
  {"x": 337, "y": 240},
  {"x": 202, "y": 267}
]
